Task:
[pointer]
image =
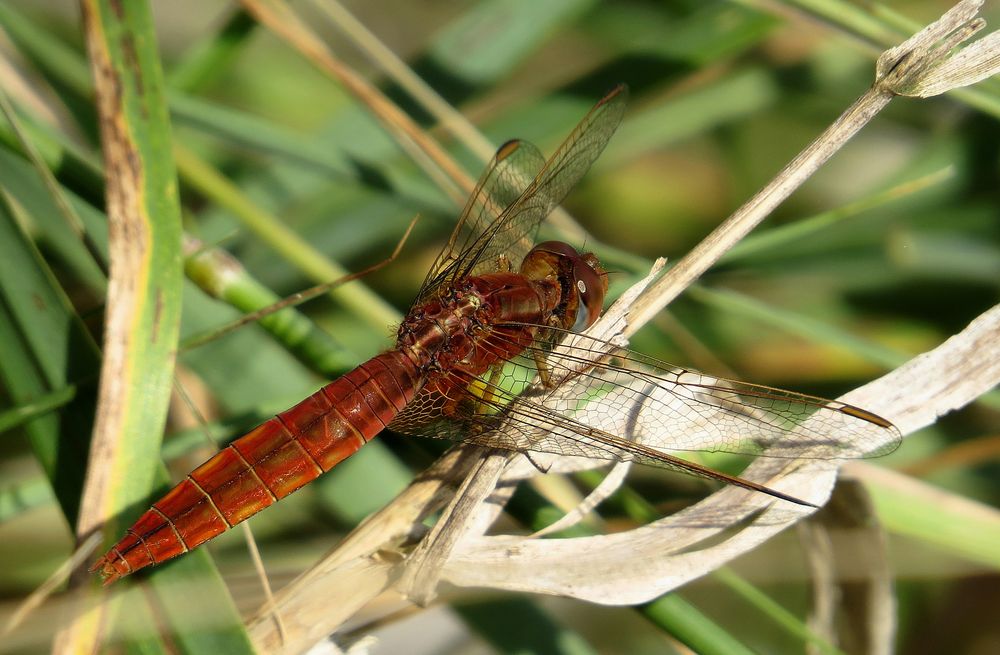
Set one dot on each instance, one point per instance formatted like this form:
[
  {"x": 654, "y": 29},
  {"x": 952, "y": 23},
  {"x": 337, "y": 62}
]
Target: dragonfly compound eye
[{"x": 591, "y": 285}]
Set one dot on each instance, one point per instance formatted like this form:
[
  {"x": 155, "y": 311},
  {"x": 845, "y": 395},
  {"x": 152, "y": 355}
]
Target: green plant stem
[{"x": 361, "y": 301}]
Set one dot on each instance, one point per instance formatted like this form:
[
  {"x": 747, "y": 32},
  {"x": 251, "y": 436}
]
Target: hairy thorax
[{"x": 477, "y": 323}]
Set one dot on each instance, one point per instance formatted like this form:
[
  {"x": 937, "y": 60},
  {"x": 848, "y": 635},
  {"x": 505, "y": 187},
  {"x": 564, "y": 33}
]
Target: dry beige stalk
[{"x": 600, "y": 568}]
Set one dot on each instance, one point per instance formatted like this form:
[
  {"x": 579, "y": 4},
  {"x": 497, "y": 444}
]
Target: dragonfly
[{"x": 484, "y": 357}]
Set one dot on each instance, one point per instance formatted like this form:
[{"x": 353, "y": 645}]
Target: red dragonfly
[{"x": 479, "y": 359}]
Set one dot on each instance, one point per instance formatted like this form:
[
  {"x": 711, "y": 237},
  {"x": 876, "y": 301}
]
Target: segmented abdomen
[{"x": 265, "y": 465}]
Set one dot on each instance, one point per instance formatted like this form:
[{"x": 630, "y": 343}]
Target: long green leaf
[
  {"x": 144, "y": 296},
  {"x": 44, "y": 348}
]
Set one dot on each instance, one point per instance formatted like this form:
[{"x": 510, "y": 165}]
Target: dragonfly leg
[
  {"x": 542, "y": 468},
  {"x": 542, "y": 368},
  {"x": 488, "y": 399}
]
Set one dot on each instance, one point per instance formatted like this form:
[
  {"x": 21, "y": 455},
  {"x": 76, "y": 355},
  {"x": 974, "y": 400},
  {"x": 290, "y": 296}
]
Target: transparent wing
[
  {"x": 515, "y": 194},
  {"x": 509, "y": 174},
  {"x": 628, "y": 407}
]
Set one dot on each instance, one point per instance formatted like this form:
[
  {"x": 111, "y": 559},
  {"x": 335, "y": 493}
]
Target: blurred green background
[{"x": 900, "y": 249}]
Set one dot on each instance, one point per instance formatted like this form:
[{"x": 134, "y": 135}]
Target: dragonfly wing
[
  {"x": 609, "y": 403},
  {"x": 558, "y": 176},
  {"x": 503, "y": 214},
  {"x": 511, "y": 171},
  {"x": 673, "y": 408}
]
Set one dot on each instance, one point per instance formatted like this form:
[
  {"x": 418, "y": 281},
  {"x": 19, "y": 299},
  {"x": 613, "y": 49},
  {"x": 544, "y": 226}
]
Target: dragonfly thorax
[{"x": 478, "y": 321}]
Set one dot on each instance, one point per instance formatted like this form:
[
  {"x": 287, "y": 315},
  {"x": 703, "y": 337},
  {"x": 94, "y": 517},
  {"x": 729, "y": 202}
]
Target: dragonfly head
[{"x": 581, "y": 278}]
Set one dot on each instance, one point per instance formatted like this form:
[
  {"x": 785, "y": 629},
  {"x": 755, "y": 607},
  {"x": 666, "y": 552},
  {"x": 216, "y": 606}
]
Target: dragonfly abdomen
[{"x": 267, "y": 464}]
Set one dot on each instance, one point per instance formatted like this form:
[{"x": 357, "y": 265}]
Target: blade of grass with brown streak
[{"x": 143, "y": 306}]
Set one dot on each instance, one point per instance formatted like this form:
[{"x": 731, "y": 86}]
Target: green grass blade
[
  {"x": 143, "y": 304},
  {"x": 514, "y": 625},
  {"x": 809, "y": 328},
  {"x": 209, "y": 60},
  {"x": 691, "y": 627},
  {"x": 44, "y": 349},
  {"x": 144, "y": 297},
  {"x": 490, "y": 38}
]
